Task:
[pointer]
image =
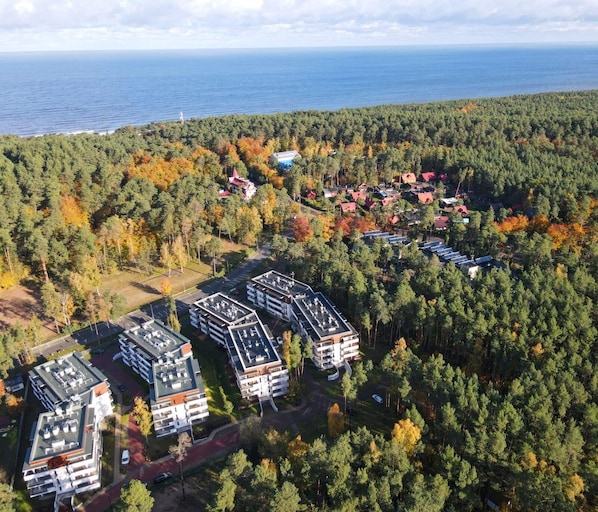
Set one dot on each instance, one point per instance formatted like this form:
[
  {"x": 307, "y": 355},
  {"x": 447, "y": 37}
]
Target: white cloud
[{"x": 205, "y": 23}]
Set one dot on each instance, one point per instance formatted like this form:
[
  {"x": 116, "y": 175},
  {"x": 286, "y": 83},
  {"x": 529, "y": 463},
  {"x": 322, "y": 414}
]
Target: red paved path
[{"x": 146, "y": 472}]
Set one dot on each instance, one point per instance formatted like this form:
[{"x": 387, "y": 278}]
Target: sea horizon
[{"x": 104, "y": 90}]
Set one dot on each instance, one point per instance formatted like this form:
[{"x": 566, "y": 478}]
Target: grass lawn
[
  {"x": 158, "y": 446},
  {"x": 212, "y": 361}
]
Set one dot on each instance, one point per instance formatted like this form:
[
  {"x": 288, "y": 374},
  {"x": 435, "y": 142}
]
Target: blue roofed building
[{"x": 284, "y": 159}]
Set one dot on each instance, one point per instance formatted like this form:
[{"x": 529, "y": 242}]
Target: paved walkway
[
  {"x": 220, "y": 443},
  {"x": 117, "y": 433}
]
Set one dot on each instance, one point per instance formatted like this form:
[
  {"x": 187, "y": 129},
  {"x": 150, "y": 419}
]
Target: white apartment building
[
  {"x": 177, "y": 397},
  {"x": 334, "y": 339},
  {"x": 214, "y": 314},
  {"x": 164, "y": 358},
  {"x": 143, "y": 345},
  {"x": 65, "y": 453},
  {"x": 259, "y": 370},
  {"x": 71, "y": 381},
  {"x": 274, "y": 293},
  {"x": 66, "y": 443}
]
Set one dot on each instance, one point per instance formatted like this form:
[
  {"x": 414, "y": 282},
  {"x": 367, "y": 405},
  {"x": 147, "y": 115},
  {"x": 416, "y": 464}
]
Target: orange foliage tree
[
  {"x": 302, "y": 230},
  {"x": 161, "y": 172},
  {"x": 511, "y": 224}
]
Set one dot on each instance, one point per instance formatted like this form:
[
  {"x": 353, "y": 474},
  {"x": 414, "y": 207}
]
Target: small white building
[
  {"x": 177, "y": 397},
  {"x": 64, "y": 458},
  {"x": 284, "y": 159}
]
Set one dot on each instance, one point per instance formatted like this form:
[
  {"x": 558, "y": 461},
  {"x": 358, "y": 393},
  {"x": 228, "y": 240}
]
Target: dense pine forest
[{"x": 492, "y": 380}]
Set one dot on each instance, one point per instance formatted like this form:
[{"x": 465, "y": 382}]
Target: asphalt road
[{"x": 157, "y": 309}]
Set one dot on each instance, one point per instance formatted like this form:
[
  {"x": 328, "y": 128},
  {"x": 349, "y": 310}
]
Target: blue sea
[{"x": 102, "y": 91}]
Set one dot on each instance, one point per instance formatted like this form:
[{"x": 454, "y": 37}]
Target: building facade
[
  {"x": 334, "y": 339},
  {"x": 148, "y": 342},
  {"x": 71, "y": 381},
  {"x": 259, "y": 370},
  {"x": 164, "y": 359},
  {"x": 312, "y": 315},
  {"x": 65, "y": 455},
  {"x": 274, "y": 293},
  {"x": 214, "y": 314},
  {"x": 177, "y": 397}
]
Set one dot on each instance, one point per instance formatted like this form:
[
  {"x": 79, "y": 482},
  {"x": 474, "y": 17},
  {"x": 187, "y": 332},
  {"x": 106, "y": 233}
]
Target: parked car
[
  {"x": 162, "y": 477},
  {"x": 279, "y": 340},
  {"x": 122, "y": 388},
  {"x": 97, "y": 351},
  {"x": 378, "y": 398},
  {"x": 124, "y": 458}
]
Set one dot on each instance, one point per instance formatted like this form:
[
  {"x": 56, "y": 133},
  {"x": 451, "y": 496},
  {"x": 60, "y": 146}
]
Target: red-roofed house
[
  {"x": 428, "y": 176},
  {"x": 359, "y": 194},
  {"x": 425, "y": 197},
  {"x": 311, "y": 194},
  {"x": 462, "y": 209},
  {"x": 223, "y": 193},
  {"x": 441, "y": 222},
  {"x": 348, "y": 207},
  {"x": 388, "y": 200},
  {"x": 408, "y": 177},
  {"x": 247, "y": 186}
]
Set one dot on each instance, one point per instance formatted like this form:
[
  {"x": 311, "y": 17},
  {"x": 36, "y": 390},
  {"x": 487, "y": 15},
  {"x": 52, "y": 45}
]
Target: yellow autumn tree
[
  {"x": 574, "y": 487},
  {"x": 297, "y": 449},
  {"x": 529, "y": 461},
  {"x": 336, "y": 421},
  {"x": 72, "y": 212},
  {"x": 407, "y": 434}
]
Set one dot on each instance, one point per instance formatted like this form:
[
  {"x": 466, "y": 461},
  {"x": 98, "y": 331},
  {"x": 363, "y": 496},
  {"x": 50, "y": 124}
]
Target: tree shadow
[{"x": 146, "y": 288}]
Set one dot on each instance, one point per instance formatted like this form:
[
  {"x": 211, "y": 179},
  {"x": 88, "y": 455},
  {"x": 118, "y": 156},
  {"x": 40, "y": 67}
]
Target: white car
[
  {"x": 124, "y": 458},
  {"x": 378, "y": 398}
]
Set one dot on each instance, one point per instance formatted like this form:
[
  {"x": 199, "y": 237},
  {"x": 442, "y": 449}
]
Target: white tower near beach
[{"x": 181, "y": 118}]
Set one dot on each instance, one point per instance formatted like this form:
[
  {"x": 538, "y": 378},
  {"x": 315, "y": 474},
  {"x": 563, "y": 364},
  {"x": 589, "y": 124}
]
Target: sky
[{"x": 34, "y": 25}]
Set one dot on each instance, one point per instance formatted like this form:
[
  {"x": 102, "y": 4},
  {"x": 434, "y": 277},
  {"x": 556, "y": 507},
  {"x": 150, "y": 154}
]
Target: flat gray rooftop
[
  {"x": 322, "y": 318},
  {"x": 68, "y": 378},
  {"x": 156, "y": 339},
  {"x": 250, "y": 345},
  {"x": 176, "y": 376},
  {"x": 282, "y": 285},
  {"x": 221, "y": 307},
  {"x": 60, "y": 433}
]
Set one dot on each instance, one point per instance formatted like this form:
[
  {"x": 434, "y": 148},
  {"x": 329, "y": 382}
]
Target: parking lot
[{"x": 117, "y": 372}]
